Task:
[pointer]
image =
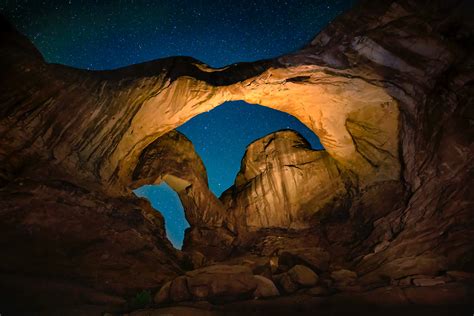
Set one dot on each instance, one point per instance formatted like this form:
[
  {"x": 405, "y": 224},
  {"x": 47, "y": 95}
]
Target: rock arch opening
[
  {"x": 164, "y": 199},
  {"x": 207, "y": 153},
  {"x": 221, "y": 136}
]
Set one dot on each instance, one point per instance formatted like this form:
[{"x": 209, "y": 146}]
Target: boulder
[
  {"x": 327, "y": 282},
  {"x": 407, "y": 281},
  {"x": 195, "y": 259},
  {"x": 318, "y": 291},
  {"x": 265, "y": 287},
  {"x": 461, "y": 275},
  {"x": 277, "y": 277},
  {"x": 303, "y": 276},
  {"x": 428, "y": 282},
  {"x": 221, "y": 283},
  {"x": 163, "y": 295},
  {"x": 264, "y": 270},
  {"x": 316, "y": 258},
  {"x": 179, "y": 289},
  {"x": 343, "y": 277},
  {"x": 287, "y": 283}
]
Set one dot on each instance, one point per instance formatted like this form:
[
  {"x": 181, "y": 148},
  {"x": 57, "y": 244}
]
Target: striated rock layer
[
  {"x": 171, "y": 158},
  {"x": 282, "y": 184},
  {"x": 387, "y": 88},
  {"x": 119, "y": 113}
]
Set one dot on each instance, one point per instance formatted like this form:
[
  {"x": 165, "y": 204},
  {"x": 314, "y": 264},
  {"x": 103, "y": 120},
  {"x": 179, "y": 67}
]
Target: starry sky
[{"x": 110, "y": 34}]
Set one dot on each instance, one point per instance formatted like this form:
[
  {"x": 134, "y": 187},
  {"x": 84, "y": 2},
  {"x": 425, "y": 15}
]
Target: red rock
[
  {"x": 315, "y": 258},
  {"x": 221, "y": 283},
  {"x": 287, "y": 283},
  {"x": 265, "y": 287},
  {"x": 443, "y": 294},
  {"x": 303, "y": 276},
  {"x": 318, "y": 291},
  {"x": 427, "y": 282},
  {"x": 344, "y": 276},
  {"x": 163, "y": 295},
  {"x": 460, "y": 275},
  {"x": 179, "y": 291}
]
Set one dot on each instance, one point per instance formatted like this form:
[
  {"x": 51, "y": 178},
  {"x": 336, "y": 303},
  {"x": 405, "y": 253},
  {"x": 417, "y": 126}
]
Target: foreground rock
[
  {"x": 303, "y": 276},
  {"x": 217, "y": 283},
  {"x": 297, "y": 277},
  {"x": 110, "y": 249},
  {"x": 344, "y": 277},
  {"x": 315, "y": 258},
  {"x": 265, "y": 287},
  {"x": 448, "y": 299}
]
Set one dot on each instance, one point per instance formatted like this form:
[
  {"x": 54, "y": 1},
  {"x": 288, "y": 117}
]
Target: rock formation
[
  {"x": 282, "y": 184},
  {"x": 387, "y": 88},
  {"x": 171, "y": 158},
  {"x": 63, "y": 244}
]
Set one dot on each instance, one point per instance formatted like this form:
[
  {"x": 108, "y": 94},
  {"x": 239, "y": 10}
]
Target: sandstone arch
[
  {"x": 356, "y": 121},
  {"x": 120, "y": 116},
  {"x": 122, "y": 111}
]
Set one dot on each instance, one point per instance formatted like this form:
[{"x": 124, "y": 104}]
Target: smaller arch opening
[
  {"x": 164, "y": 199},
  {"x": 221, "y": 136}
]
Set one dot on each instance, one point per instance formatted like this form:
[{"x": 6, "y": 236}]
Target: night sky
[{"x": 111, "y": 34}]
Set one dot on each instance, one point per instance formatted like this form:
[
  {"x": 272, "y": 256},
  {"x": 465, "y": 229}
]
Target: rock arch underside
[{"x": 388, "y": 89}]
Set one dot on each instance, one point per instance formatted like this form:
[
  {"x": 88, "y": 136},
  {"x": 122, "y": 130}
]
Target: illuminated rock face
[
  {"x": 386, "y": 87},
  {"x": 119, "y": 113},
  {"x": 171, "y": 158},
  {"x": 282, "y": 184}
]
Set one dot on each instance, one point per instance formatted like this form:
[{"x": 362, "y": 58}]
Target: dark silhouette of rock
[
  {"x": 303, "y": 276},
  {"x": 287, "y": 284},
  {"x": 163, "y": 295},
  {"x": 265, "y": 287},
  {"x": 60, "y": 240},
  {"x": 217, "y": 283},
  {"x": 179, "y": 291}
]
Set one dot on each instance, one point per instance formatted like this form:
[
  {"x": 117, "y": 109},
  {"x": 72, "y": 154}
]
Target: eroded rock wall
[
  {"x": 282, "y": 184},
  {"x": 172, "y": 159},
  {"x": 64, "y": 245},
  {"x": 419, "y": 55},
  {"x": 118, "y": 113}
]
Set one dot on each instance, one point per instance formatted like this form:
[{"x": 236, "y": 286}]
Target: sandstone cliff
[
  {"x": 171, "y": 158},
  {"x": 282, "y": 184}
]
